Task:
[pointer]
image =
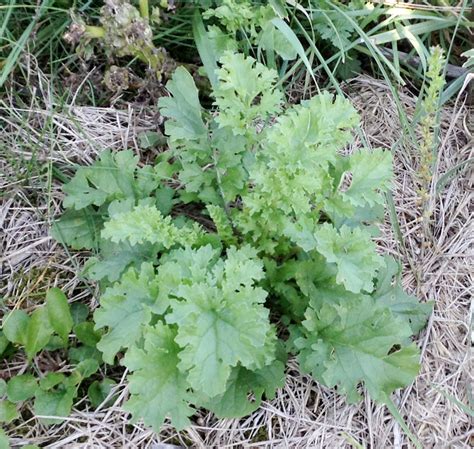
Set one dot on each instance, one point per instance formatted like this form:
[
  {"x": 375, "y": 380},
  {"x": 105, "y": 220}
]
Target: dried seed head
[
  {"x": 117, "y": 79},
  {"x": 75, "y": 33}
]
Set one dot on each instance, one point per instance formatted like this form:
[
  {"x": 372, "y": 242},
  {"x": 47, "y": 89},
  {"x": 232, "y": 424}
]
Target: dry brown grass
[{"x": 304, "y": 414}]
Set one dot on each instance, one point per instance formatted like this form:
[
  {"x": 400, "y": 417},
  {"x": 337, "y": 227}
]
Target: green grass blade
[
  {"x": 295, "y": 43},
  {"x": 396, "y": 414}
]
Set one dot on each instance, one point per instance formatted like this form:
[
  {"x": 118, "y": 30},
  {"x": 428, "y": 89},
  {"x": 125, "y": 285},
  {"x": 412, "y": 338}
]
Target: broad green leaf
[
  {"x": 125, "y": 308},
  {"x": 86, "y": 334},
  {"x": 59, "y": 313},
  {"x": 21, "y": 387},
  {"x": 236, "y": 401},
  {"x": 38, "y": 332},
  {"x": 55, "y": 403},
  {"x": 353, "y": 252},
  {"x": 222, "y": 322},
  {"x": 78, "y": 229},
  {"x": 389, "y": 293},
  {"x": 8, "y": 412},
  {"x": 79, "y": 312},
  {"x": 4, "y": 441},
  {"x": 3, "y": 342},
  {"x": 98, "y": 391},
  {"x": 182, "y": 108},
  {"x": 243, "y": 80},
  {"x": 115, "y": 258},
  {"x": 81, "y": 353},
  {"x": 3, "y": 388},
  {"x": 205, "y": 47},
  {"x": 371, "y": 175},
  {"x": 114, "y": 176},
  {"x": 358, "y": 341},
  {"x": 51, "y": 380},
  {"x": 146, "y": 224},
  {"x": 85, "y": 369},
  {"x": 158, "y": 388},
  {"x": 15, "y": 326}
]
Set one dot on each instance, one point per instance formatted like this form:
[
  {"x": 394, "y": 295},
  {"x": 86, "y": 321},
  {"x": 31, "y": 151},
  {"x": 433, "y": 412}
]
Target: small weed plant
[{"x": 247, "y": 241}]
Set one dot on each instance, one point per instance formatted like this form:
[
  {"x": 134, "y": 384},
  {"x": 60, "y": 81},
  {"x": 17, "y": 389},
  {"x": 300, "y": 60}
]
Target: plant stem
[
  {"x": 144, "y": 9},
  {"x": 95, "y": 32}
]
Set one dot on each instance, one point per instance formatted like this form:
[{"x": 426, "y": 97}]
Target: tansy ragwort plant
[{"x": 206, "y": 314}]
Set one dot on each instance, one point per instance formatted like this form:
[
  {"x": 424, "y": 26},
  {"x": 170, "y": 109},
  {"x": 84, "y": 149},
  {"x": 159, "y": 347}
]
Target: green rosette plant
[{"x": 249, "y": 239}]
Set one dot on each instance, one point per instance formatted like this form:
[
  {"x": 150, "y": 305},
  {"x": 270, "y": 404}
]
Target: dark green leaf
[
  {"x": 79, "y": 312},
  {"x": 38, "y": 332},
  {"x": 98, "y": 391},
  {"x": 86, "y": 334},
  {"x": 58, "y": 312},
  {"x": 54, "y": 403}
]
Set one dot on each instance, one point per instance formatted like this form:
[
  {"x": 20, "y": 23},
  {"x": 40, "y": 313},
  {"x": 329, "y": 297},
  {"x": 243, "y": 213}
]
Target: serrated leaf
[
  {"x": 389, "y": 293},
  {"x": 114, "y": 176},
  {"x": 371, "y": 176},
  {"x": 183, "y": 107},
  {"x": 146, "y": 224},
  {"x": 353, "y": 252},
  {"x": 125, "y": 308},
  {"x": 8, "y": 412},
  {"x": 15, "y": 326},
  {"x": 59, "y": 313},
  {"x": 236, "y": 402},
  {"x": 21, "y": 387},
  {"x": 78, "y": 229},
  {"x": 358, "y": 341},
  {"x": 158, "y": 388},
  {"x": 221, "y": 322},
  {"x": 243, "y": 80},
  {"x": 115, "y": 258},
  {"x": 38, "y": 332}
]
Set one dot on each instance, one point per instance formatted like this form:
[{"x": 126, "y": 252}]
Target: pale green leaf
[
  {"x": 389, "y": 293},
  {"x": 4, "y": 441},
  {"x": 125, "y": 308},
  {"x": 353, "y": 252},
  {"x": 246, "y": 92},
  {"x": 56, "y": 404},
  {"x": 158, "y": 388},
  {"x": 371, "y": 175},
  {"x": 146, "y": 224},
  {"x": 221, "y": 322},
  {"x": 182, "y": 108},
  {"x": 8, "y": 412},
  {"x": 245, "y": 390},
  {"x": 358, "y": 341}
]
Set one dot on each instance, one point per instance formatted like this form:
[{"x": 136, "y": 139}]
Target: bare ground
[{"x": 304, "y": 414}]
